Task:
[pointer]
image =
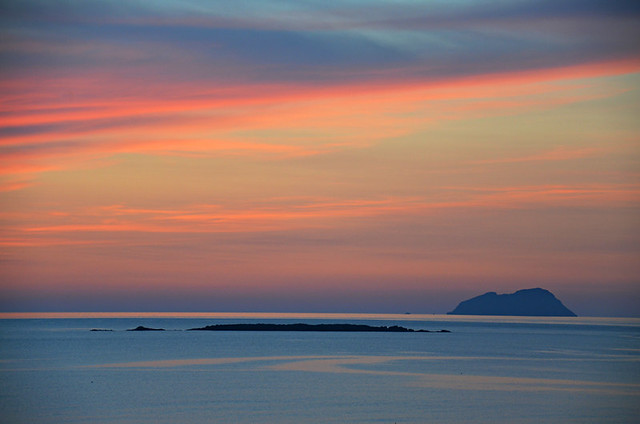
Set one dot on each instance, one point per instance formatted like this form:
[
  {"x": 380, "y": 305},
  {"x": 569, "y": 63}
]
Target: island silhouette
[
  {"x": 292, "y": 327},
  {"x": 528, "y": 302},
  {"x": 141, "y": 328},
  {"x": 312, "y": 327}
]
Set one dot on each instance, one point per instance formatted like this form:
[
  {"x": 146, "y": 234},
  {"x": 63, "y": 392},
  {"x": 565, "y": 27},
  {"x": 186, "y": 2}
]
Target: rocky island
[
  {"x": 312, "y": 327},
  {"x": 528, "y": 302},
  {"x": 141, "y": 328}
]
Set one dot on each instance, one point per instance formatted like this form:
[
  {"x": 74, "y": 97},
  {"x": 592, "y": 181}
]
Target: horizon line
[{"x": 406, "y": 316}]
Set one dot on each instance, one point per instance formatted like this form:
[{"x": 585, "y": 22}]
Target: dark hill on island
[
  {"x": 141, "y": 328},
  {"x": 311, "y": 327},
  {"x": 528, "y": 302}
]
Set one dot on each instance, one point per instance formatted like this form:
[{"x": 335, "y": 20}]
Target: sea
[{"x": 54, "y": 369}]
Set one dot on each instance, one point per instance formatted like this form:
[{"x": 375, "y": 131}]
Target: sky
[{"x": 313, "y": 156}]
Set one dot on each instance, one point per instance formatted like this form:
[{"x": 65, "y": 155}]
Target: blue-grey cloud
[{"x": 311, "y": 41}]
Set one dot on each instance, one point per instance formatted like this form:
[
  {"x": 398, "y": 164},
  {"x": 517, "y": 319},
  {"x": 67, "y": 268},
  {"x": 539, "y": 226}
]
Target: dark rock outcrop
[
  {"x": 528, "y": 302},
  {"x": 311, "y": 327},
  {"x": 141, "y": 328}
]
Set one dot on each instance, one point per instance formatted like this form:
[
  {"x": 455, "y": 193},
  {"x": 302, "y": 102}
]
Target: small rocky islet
[{"x": 141, "y": 328}]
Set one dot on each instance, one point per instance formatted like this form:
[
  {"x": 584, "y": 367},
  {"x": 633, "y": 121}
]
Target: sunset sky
[{"x": 314, "y": 156}]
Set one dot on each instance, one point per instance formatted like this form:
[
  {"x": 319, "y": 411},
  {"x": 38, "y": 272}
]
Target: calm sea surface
[{"x": 487, "y": 370}]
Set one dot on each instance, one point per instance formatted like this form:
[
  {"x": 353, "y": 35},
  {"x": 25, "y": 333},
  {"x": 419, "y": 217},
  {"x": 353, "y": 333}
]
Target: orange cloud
[
  {"x": 324, "y": 213},
  {"x": 556, "y": 154},
  {"x": 13, "y": 186},
  {"x": 47, "y": 132}
]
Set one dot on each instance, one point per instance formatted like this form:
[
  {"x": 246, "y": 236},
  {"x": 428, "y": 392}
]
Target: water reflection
[{"x": 354, "y": 364}]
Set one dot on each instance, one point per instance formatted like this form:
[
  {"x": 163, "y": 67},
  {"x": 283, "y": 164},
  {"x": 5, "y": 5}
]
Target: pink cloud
[
  {"x": 322, "y": 213},
  {"x": 264, "y": 121}
]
